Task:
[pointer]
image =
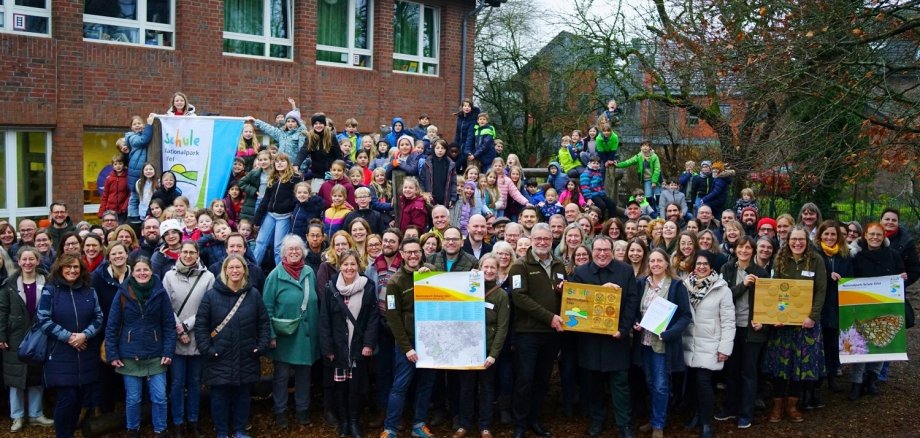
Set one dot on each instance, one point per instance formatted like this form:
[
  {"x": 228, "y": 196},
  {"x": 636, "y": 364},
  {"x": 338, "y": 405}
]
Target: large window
[
  {"x": 25, "y": 173},
  {"x": 98, "y": 150},
  {"x": 344, "y": 32},
  {"x": 141, "y": 22},
  {"x": 258, "y": 28},
  {"x": 25, "y": 16},
  {"x": 416, "y": 34}
]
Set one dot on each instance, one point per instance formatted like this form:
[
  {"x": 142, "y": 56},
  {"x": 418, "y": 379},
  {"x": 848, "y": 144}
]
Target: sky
[{"x": 556, "y": 10}]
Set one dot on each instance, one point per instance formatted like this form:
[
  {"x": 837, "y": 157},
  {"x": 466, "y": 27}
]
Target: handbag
[
  {"x": 289, "y": 326},
  {"x": 34, "y": 346}
]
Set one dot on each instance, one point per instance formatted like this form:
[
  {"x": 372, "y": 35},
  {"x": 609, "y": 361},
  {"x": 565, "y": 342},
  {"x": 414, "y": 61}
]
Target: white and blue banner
[{"x": 200, "y": 151}]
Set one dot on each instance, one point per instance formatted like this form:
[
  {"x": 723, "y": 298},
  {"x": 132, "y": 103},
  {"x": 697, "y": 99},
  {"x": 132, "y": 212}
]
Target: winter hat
[
  {"x": 766, "y": 221},
  {"x": 706, "y": 163},
  {"x": 170, "y": 225},
  {"x": 407, "y": 137},
  {"x": 756, "y": 213},
  {"x": 321, "y": 118},
  {"x": 469, "y": 184},
  {"x": 293, "y": 114}
]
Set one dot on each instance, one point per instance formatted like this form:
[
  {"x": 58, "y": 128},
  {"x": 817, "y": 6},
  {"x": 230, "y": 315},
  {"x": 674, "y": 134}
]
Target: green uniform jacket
[
  {"x": 283, "y": 297},
  {"x": 535, "y": 294},
  {"x": 401, "y": 307},
  {"x": 498, "y": 318},
  {"x": 813, "y": 265},
  {"x": 638, "y": 160}
]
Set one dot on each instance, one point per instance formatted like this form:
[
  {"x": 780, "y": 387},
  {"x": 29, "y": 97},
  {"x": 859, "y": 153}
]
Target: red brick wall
[{"x": 69, "y": 85}]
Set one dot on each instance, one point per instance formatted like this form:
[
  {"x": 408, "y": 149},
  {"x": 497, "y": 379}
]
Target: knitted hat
[
  {"x": 407, "y": 137},
  {"x": 293, "y": 114},
  {"x": 706, "y": 163},
  {"x": 765, "y": 221},
  {"x": 170, "y": 225},
  {"x": 749, "y": 208},
  {"x": 469, "y": 184},
  {"x": 321, "y": 118}
]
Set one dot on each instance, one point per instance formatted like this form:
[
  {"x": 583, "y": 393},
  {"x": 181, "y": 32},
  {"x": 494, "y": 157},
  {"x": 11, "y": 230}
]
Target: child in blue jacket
[{"x": 308, "y": 207}]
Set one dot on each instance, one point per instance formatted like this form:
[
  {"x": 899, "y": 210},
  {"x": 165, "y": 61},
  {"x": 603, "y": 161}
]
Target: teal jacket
[
  {"x": 638, "y": 160},
  {"x": 283, "y": 297}
]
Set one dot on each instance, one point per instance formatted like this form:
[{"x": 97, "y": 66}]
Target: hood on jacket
[
  {"x": 397, "y": 120},
  {"x": 554, "y": 164}
]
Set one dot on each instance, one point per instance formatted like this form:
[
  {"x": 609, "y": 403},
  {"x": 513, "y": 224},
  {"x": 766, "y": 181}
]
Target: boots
[
  {"x": 816, "y": 402},
  {"x": 833, "y": 385},
  {"x": 794, "y": 415},
  {"x": 177, "y": 430},
  {"x": 855, "y": 391},
  {"x": 871, "y": 383},
  {"x": 354, "y": 427},
  {"x": 504, "y": 411},
  {"x": 777, "y": 413}
]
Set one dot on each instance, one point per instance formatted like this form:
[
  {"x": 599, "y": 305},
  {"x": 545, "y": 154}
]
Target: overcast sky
[{"x": 555, "y": 11}]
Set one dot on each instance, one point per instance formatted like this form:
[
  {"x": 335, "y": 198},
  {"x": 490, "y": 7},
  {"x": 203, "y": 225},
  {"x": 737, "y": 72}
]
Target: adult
[
  {"x": 291, "y": 302},
  {"x": 498, "y": 229},
  {"x": 570, "y": 212},
  {"x": 607, "y": 358},
  {"x": 854, "y": 232},
  {"x": 231, "y": 331},
  {"x": 668, "y": 239},
  {"x": 810, "y": 218},
  {"x": 60, "y": 221},
  {"x": 682, "y": 257},
  {"x": 474, "y": 243},
  {"x": 710, "y": 242},
  {"x": 150, "y": 239},
  {"x": 766, "y": 227},
  {"x": 140, "y": 340},
  {"x": 27, "y": 229},
  {"x": 834, "y": 250},
  {"x": 125, "y": 234},
  {"x": 348, "y": 326},
  {"x": 795, "y": 354},
  {"x": 513, "y": 232},
  {"x": 109, "y": 221},
  {"x": 706, "y": 220},
  {"x": 749, "y": 221},
  {"x": 186, "y": 284},
  {"x": 106, "y": 281},
  {"x": 236, "y": 244},
  {"x": 7, "y": 237},
  {"x": 764, "y": 251},
  {"x": 165, "y": 257},
  {"x": 69, "y": 314},
  {"x": 784, "y": 224},
  {"x": 660, "y": 355},
  {"x": 379, "y": 273},
  {"x": 672, "y": 212},
  {"x": 572, "y": 237},
  {"x": 316, "y": 245},
  {"x": 440, "y": 219},
  {"x": 557, "y": 226},
  {"x": 637, "y": 257},
  {"x": 709, "y": 339},
  {"x": 45, "y": 248},
  {"x": 528, "y": 218},
  {"x": 451, "y": 258},
  {"x": 900, "y": 240},
  {"x": 18, "y": 305},
  {"x": 633, "y": 210},
  {"x": 93, "y": 251},
  {"x": 537, "y": 284}
]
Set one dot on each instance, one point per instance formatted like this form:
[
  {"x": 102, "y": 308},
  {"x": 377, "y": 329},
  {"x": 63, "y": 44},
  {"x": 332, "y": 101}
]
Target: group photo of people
[{"x": 299, "y": 280}]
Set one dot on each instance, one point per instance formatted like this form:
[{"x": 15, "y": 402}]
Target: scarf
[
  {"x": 830, "y": 251},
  {"x": 351, "y": 289},
  {"x": 353, "y": 294},
  {"x": 141, "y": 290},
  {"x": 699, "y": 287},
  {"x": 170, "y": 253},
  {"x": 293, "y": 269},
  {"x": 91, "y": 265},
  {"x": 184, "y": 269},
  {"x": 439, "y": 167},
  {"x": 888, "y": 234}
]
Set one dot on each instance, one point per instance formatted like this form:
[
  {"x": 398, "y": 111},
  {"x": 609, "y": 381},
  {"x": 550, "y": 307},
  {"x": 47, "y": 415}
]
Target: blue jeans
[
  {"x": 658, "y": 381},
  {"x": 186, "y": 388},
  {"x": 403, "y": 373},
  {"x": 18, "y": 400},
  {"x": 273, "y": 228},
  {"x": 649, "y": 192},
  {"x": 156, "y": 384},
  {"x": 230, "y": 403}
]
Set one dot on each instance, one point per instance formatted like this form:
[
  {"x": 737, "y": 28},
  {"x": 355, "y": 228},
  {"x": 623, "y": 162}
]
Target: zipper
[{"x": 76, "y": 318}]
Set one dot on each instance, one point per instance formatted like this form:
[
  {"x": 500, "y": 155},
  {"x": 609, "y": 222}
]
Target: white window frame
[
  {"x": 267, "y": 40},
  {"x": 12, "y": 211},
  {"x": 351, "y": 50},
  {"x": 142, "y": 26},
  {"x": 422, "y": 60},
  {"x": 9, "y": 9}
]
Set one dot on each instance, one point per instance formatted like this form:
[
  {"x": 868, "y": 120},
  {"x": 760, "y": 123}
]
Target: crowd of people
[{"x": 309, "y": 260}]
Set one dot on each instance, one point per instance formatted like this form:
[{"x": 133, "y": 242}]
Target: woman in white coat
[{"x": 709, "y": 339}]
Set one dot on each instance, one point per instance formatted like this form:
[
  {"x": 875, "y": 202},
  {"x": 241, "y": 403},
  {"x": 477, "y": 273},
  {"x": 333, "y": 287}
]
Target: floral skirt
[{"x": 795, "y": 353}]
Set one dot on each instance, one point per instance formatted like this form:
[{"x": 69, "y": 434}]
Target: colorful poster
[
  {"x": 200, "y": 151},
  {"x": 591, "y": 309},
  {"x": 450, "y": 320},
  {"x": 658, "y": 315},
  {"x": 782, "y": 301},
  {"x": 872, "y": 319}
]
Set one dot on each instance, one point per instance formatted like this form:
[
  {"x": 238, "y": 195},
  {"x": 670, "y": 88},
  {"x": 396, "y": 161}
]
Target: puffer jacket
[
  {"x": 179, "y": 288},
  {"x": 137, "y": 157},
  {"x": 140, "y": 331},
  {"x": 333, "y": 325},
  {"x": 413, "y": 212},
  {"x": 559, "y": 180},
  {"x": 507, "y": 188},
  {"x": 106, "y": 288},
  {"x": 717, "y": 196},
  {"x": 712, "y": 330},
  {"x": 484, "y": 145},
  {"x": 64, "y": 309},
  {"x": 463, "y": 135},
  {"x": 15, "y": 322},
  {"x": 115, "y": 193},
  {"x": 592, "y": 183},
  {"x": 289, "y": 142},
  {"x": 392, "y": 137},
  {"x": 232, "y": 356}
]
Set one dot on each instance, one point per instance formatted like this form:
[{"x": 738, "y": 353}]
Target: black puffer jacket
[
  {"x": 279, "y": 199},
  {"x": 231, "y": 357},
  {"x": 333, "y": 326}
]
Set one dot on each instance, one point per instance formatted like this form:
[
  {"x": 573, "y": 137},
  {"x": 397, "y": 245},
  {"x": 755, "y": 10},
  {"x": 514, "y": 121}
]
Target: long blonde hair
[
  {"x": 242, "y": 145},
  {"x": 285, "y": 175},
  {"x": 330, "y": 256}
]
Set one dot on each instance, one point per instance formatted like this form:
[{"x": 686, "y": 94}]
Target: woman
[
  {"x": 231, "y": 330},
  {"x": 619, "y": 250},
  {"x": 854, "y": 232},
  {"x": 838, "y": 264},
  {"x": 637, "y": 256},
  {"x": 582, "y": 256},
  {"x": 587, "y": 228},
  {"x": 374, "y": 247},
  {"x": 741, "y": 274},
  {"x": 71, "y": 243},
  {"x": 348, "y": 325},
  {"x": 654, "y": 230},
  {"x": 709, "y": 242},
  {"x": 316, "y": 245},
  {"x": 506, "y": 256},
  {"x": 498, "y": 317},
  {"x": 360, "y": 229},
  {"x": 69, "y": 314},
  {"x": 18, "y": 304},
  {"x": 692, "y": 226},
  {"x": 186, "y": 284},
  {"x": 765, "y": 249},
  {"x": 572, "y": 236},
  {"x": 7, "y": 236},
  {"x": 682, "y": 260},
  {"x": 125, "y": 234},
  {"x": 660, "y": 355},
  {"x": 290, "y": 300},
  {"x": 733, "y": 231},
  {"x": 784, "y": 224},
  {"x": 45, "y": 248},
  {"x": 708, "y": 341},
  {"x": 875, "y": 258},
  {"x": 340, "y": 242},
  {"x": 431, "y": 243},
  {"x": 795, "y": 354},
  {"x": 93, "y": 252},
  {"x": 613, "y": 228},
  {"x": 140, "y": 341},
  {"x": 810, "y": 217},
  {"x": 274, "y": 212},
  {"x": 668, "y": 239},
  {"x": 106, "y": 281}
]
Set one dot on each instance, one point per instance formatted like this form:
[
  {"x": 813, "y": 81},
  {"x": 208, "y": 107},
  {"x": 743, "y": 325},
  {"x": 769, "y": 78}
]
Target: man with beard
[
  {"x": 557, "y": 227},
  {"x": 527, "y": 219},
  {"x": 749, "y": 221},
  {"x": 513, "y": 232},
  {"x": 380, "y": 272},
  {"x": 673, "y": 213},
  {"x": 150, "y": 239},
  {"x": 451, "y": 258},
  {"x": 60, "y": 222},
  {"x": 498, "y": 229},
  {"x": 475, "y": 244},
  {"x": 236, "y": 244}
]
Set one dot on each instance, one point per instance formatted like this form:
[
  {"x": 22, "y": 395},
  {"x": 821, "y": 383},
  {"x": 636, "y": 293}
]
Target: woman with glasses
[{"x": 838, "y": 264}]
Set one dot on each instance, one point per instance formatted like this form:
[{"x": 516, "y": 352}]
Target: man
[
  {"x": 673, "y": 213},
  {"x": 727, "y": 216},
  {"x": 571, "y": 213},
  {"x": 766, "y": 227},
  {"x": 400, "y": 304},
  {"x": 527, "y": 219},
  {"x": 109, "y": 221},
  {"x": 150, "y": 239},
  {"x": 27, "y": 228},
  {"x": 498, "y": 229},
  {"x": 440, "y": 220},
  {"x": 451, "y": 258},
  {"x": 236, "y": 244},
  {"x": 701, "y": 184},
  {"x": 536, "y": 281},
  {"x": 557, "y": 227},
  {"x": 475, "y": 244},
  {"x": 603, "y": 357},
  {"x": 707, "y": 222},
  {"x": 513, "y": 232},
  {"x": 380, "y": 273},
  {"x": 633, "y": 210},
  {"x": 748, "y": 220},
  {"x": 60, "y": 222}
]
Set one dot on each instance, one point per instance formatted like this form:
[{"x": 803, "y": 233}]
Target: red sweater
[{"x": 115, "y": 193}]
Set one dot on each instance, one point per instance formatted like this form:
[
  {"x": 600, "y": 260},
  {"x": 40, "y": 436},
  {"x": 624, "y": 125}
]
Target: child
[
  {"x": 115, "y": 190},
  {"x": 512, "y": 161},
  {"x": 592, "y": 187},
  {"x": 219, "y": 212},
  {"x": 499, "y": 147},
  {"x": 179, "y": 106},
  {"x": 155, "y": 210},
  {"x": 590, "y": 142},
  {"x": 568, "y": 158},
  {"x": 551, "y": 205},
  {"x": 672, "y": 194},
  {"x": 145, "y": 187},
  {"x": 254, "y": 184},
  {"x": 362, "y": 159},
  {"x": 137, "y": 141},
  {"x": 419, "y": 150},
  {"x": 377, "y": 221},
  {"x": 246, "y": 231},
  {"x": 239, "y": 170},
  {"x": 533, "y": 193},
  {"x": 483, "y": 147},
  {"x": 607, "y": 146},
  {"x": 122, "y": 145},
  {"x": 413, "y": 210},
  {"x": 431, "y": 136},
  {"x": 274, "y": 212},
  {"x": 488, "y": 188},
  {"x": 350, "y": 134},
  {"x": 334, "y": 216},
  {"x": 337, "y": 171},
  {"x": 233, "y": 205},
  {"x": 248, "y": 147},
  {"x": 291, "y": 138},
  {"x": 467, "y": 206},
  {"x": 405, "y": 159},
  {"x": 440, "y": 176},
  {"x": 317, "y": 157},
  {"x": 308, "y": 207},
  {"x": 396, "y": 132},
  {"x": 214, "y": 244},
  {"x": 506, "y": 188},
  {"x": 190, "y": 225},
  {"x": 466, "y": 119},
  {"x": 381, "y": 158},
  {"x": 556, "y": 179},
  {"x": 644, "y": 206},
  {"x": 571, "y": 194},
  {"x": 747, "y": 200},
  {"x": 380, "y": 186},
  {"x": 347, "y": 152}
]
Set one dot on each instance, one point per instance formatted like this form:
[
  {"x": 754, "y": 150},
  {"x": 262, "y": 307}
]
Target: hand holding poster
[
  {"x": 658, "y": 315},
  {"x": 450, "y": 320},
  {"x": 590, "y": 308},
  {"x": 872, "y": 319},
  {"x": 782, "y": 301}
]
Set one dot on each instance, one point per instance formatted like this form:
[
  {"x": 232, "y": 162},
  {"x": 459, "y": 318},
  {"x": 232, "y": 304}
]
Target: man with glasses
[
  {"x": 109, "y": 221},
  {"x": 766, "y": 227},
  {"x": 380, "y": 272},
  {"x": 604, "y": 357},
  {"x": 513, "y": 232},
  {"x": 451, "y": 258},
  {"x": 536, "y": 281},
  {"x": 60, "y": 222},
  {"x": 27, "y": 229}
]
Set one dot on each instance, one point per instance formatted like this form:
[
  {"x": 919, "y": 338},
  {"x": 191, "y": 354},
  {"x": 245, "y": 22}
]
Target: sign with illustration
[
  {"x": 590, "y": 309},
  {"x": 450, "y": 320},
  {"x": 782, "y": 301},
  {"x": 872, "y": 319}
]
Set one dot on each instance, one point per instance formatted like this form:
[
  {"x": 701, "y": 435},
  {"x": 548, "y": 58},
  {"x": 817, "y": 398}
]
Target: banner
[
  {"x": 872, "y": 319},
  {"x": 450, "y": 320},
  {"x": 591, "y": 308},
  {"x": 200, "y": 151}
]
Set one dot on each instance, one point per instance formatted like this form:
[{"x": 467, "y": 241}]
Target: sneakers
[
  {"x": 41, "y": 420},
  {"x": 486, "y": 434},
  {"x": 460, "y": 433},
  {"x": 744, "y": 423},
  {"x": 421, "y": 431},
  {"x": 724, "y": 416},
  {"x": 241, "y": 435},
  {"x": 17, "y": 425}
]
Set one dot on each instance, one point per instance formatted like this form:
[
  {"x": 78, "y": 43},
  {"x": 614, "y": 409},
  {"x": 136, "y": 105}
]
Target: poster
[
  {"x": 450, "y": 320},
  {"x": 591, "y": 309},
  {"x": 872, "y": 319},
  {"x": 200, "y": 152},
  {"x": 782, "y": 301},
  {"x": 658, "y": 315}
]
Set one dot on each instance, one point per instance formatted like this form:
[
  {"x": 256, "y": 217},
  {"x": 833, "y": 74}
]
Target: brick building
[{"x": 73, "y": 73}]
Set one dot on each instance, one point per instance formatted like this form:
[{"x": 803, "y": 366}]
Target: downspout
[{"x": 463, "y": 47}]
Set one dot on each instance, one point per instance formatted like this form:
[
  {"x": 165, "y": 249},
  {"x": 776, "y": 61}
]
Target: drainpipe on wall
[{"x": 463, "y": 47}]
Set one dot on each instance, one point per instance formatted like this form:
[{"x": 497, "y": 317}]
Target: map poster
[
  {"x": 782, "y": 301},
  {"x": 591, "y": 309},
  {"x": 872, "y": 319},
  {"x": 450, "y": 320}
]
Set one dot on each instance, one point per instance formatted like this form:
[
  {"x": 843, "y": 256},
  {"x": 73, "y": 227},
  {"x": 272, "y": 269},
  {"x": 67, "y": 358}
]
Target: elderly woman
[
  {"x": 69, "y": 314},
  {"x": 140, "y": 340},
  {"x": 348, "y": 325},
  {"x": 18, "y": 305},
  {"x": 291, "y": 302},
  {"x": 231, "y": 330}
]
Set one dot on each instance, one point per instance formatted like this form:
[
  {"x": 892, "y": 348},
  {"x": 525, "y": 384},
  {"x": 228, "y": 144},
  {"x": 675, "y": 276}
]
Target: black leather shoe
[
  {"x": 595, "y": 430},
  {"x": 519, "y": 433},
  {"x": 538, "y": 429}
]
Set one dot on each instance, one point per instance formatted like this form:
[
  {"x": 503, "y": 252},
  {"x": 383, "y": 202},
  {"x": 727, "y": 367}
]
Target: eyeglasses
[
  {"x": 541, "y": 239},
  {"x": 852, "y": 231},
  {"x": 602, "y": 250},
  {"x": 702, "y": 264},
  {"x": 412, "y": 253}
]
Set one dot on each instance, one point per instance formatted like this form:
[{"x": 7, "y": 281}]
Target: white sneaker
[
  {"x": 41, "y": 420},
  {"x": 17, "y": 425}
]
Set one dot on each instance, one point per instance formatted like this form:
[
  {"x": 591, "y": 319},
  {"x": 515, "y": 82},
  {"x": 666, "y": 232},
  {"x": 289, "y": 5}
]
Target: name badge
[
  {"x": 808, "y": 274},
  {"x": 489, "y": 305},
  {"x": 391, "y": 302},
  {"x": 516, "y": 282}
]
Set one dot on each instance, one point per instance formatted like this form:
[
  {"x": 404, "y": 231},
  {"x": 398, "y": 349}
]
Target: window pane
[
  {"x": 244, "y": 47},
  {"x": 243, "y": 16},
  {"x": 406, "y": 66},
  {"x": 35, "y": 24},
  {"x": 430, "y": 69},
  {"x": 98, "y": 150},
  {"x": 361, "y": 24},
  {"x": 158, "y": 11},
  {"x": 158, "y": 38},
  {"x": 126, "y": 9},
  {"x": 430, "y": 38},
  {"x": 110, "y": 33},
  {"x": 31, "y": 3},
  {"x": 405, "y": 28},
  {"x": 333, "y": 24},
  {"x": 329, "y": 56},
  {"x": 280, "y": 17},
  {"x": 276, "y": 51},
  {"x": 32, "y": 170},
  {"x": 3, "y": 179}
]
